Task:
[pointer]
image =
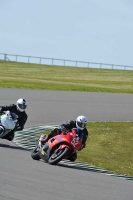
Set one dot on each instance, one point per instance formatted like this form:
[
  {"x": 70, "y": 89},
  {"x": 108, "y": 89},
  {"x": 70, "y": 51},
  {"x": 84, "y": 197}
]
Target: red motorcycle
[{"x": 58, "y": 147}]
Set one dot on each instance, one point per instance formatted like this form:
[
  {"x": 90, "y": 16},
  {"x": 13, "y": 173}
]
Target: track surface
[
  {"x": 22, "y": 178},
  {"x": 59, "y": 106}
]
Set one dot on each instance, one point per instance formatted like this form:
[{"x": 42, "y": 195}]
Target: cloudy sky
[{"x": 85, "y": 30}]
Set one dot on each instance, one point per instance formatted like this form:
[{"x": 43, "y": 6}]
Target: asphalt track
[{"x": 22, "y": 178}]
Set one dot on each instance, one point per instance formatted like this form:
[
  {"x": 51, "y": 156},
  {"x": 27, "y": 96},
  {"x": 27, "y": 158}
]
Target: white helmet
[
  {"x": 81, "y": 122},
  {"x": 21, "y": 104}
]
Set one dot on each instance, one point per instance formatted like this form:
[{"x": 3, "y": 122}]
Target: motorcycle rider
[
  {"x": 19, "y": 110},
  {"x": 79, "y": 123}
]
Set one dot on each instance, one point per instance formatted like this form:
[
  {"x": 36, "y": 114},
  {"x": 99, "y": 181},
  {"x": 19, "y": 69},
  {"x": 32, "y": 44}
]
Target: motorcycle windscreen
[{"x": 7, "y": 123}]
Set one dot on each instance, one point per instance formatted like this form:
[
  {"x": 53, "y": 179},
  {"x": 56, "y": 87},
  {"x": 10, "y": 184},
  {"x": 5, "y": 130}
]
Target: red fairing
[
  {"x": 69, "y": 140},
  {"x": 64, "y": 146}
]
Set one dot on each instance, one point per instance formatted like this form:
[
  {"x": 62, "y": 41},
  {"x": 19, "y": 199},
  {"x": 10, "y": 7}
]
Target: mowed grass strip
[
  {"x": 34, "y": 76},
  {"x": 110, "y": 146}
]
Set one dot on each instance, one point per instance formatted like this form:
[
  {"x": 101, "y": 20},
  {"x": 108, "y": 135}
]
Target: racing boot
[
  {"x": 42, "y": 140},
  {"x": 72, "y": 157}
]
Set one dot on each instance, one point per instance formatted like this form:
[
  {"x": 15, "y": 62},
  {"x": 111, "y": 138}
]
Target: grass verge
[
  {"x": 21, "y": 75},
  {"x": 110, "y": 146}
]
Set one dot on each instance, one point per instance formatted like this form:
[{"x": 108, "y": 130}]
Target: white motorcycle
[{"x": 8, "y": 122}]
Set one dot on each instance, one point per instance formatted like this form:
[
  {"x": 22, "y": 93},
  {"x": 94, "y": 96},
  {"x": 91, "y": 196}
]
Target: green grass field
[
  {"x": 110, "y": 144},
  {"x": 21, "y": 75}
]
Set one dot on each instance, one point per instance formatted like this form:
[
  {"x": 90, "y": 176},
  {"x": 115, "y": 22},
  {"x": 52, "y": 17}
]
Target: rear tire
[
  {"x": 35, "y": 154},
  {"x": 53, "y": 160}
]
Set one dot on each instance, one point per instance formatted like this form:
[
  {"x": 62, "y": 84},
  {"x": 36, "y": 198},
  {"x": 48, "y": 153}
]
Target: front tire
[
  {"x": 57, "y": 157},
  {"x": 35, "y": 154}
]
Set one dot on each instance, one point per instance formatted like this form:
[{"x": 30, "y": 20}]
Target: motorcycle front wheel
[
  {"x": 58, "y": 155},
  {"x": 35, "y": 153}
]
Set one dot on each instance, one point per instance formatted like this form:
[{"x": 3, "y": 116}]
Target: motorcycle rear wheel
[
  {"x": 35, "y": 153},
  {"x": 55, "y": 158}
]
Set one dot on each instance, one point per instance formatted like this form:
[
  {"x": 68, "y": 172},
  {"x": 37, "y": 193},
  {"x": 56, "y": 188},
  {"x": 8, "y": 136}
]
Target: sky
[{"x": 84, "y": 30}]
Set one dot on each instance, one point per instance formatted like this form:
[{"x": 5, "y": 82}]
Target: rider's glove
[{"x": 64, "y": 130}]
